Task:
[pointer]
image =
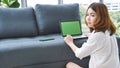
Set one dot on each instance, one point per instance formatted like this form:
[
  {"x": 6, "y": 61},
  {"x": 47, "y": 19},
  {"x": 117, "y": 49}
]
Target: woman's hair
[{"x": 103, "y": 22}]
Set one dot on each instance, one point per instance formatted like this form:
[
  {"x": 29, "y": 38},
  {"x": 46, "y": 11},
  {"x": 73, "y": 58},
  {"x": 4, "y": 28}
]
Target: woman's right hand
[{"x": 68, "y": 39}]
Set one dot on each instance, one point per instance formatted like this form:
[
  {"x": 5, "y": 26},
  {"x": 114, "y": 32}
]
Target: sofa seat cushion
[
  {"x": 27, "y": 51},
  {"x": 48, "y": 16},
  {"x": 17, "y": 22}
]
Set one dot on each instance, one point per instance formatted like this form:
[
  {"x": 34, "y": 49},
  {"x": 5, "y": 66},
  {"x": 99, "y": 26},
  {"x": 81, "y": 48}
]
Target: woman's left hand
[{"x": 88, "y": 34}]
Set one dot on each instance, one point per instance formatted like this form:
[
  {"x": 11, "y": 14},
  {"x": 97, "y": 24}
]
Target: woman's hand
[
  {"x": 88, "y": 34},
  {"x": 68, "y": 39}
]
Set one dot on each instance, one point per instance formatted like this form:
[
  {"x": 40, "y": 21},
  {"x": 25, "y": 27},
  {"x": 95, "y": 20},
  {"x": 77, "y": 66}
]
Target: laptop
[{"x": 73, "y": 28}]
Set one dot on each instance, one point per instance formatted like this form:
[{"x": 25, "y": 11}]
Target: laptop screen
[{"x": 71, "y": 28}]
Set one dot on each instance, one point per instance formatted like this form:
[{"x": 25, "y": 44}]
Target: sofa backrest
[
  {"x": 48, "y": 16},
  {"x": 17, "y": 22},
  {"x": 27, "y": 22}
]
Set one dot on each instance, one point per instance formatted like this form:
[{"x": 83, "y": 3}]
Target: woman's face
[{"x": 91, "y": 18}]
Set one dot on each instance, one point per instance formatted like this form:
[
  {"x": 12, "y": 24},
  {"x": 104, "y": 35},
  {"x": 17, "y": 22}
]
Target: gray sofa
[{"x": 21, "y": 31}]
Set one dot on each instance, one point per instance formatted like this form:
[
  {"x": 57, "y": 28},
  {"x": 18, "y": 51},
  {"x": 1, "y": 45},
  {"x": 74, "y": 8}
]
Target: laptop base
[{"x": 79, "y": 36}]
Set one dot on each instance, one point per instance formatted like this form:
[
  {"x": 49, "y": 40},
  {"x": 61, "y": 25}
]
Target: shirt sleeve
[{"x": 93, "y": 44}]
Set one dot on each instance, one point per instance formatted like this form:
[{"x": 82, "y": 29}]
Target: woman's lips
[{"x": 88, "y": 22}]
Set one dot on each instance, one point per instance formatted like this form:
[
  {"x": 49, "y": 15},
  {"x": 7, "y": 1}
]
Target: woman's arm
[
  {"x": 69, "y": 40},
  {"x": 94, "y": 43}
]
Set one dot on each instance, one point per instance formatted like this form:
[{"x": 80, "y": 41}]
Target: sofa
[{"x": 31, "y": 37}]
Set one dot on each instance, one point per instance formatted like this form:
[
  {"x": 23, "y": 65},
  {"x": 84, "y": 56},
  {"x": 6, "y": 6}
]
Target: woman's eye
[
  {"x": 86, "y": 14},
  {"x": 92, "y": 15}
]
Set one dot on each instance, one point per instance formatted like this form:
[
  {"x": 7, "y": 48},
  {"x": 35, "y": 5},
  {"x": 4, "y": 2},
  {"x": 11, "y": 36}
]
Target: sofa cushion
[
  {"x": 17, "y": 22},
  {"x": 48, "y": 16},
  {"x": 32, "y": 53}
]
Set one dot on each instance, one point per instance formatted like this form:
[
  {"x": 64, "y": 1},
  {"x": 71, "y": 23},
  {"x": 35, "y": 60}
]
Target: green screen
[{"x": 70, "y": 28}]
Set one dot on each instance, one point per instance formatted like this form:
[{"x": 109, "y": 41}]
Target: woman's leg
[{"x": 72, "y": 65}]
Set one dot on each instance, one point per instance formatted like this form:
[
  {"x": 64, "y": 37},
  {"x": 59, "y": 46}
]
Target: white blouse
[{"x": 103, "y": 50}]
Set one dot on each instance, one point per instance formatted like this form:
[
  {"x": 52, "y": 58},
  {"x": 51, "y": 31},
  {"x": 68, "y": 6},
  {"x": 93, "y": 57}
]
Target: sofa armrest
[{"x": 118, "y": 41}]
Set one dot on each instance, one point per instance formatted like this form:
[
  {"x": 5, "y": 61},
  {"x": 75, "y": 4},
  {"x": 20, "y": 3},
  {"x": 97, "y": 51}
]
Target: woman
[{"x": 101, "y": 44}]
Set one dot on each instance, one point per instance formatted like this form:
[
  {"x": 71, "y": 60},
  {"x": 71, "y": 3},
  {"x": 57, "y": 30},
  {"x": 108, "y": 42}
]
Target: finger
[{"x": 65, "y": 38}]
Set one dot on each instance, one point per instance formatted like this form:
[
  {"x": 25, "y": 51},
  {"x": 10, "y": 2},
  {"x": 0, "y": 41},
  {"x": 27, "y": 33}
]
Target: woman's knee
[
  {"x": 68, "y": 65},
  {"x": 72, "y": 65}
]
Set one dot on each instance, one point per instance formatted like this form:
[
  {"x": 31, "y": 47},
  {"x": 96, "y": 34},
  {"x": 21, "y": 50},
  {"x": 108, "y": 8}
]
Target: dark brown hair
[{"x": 103, "y": 22}]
